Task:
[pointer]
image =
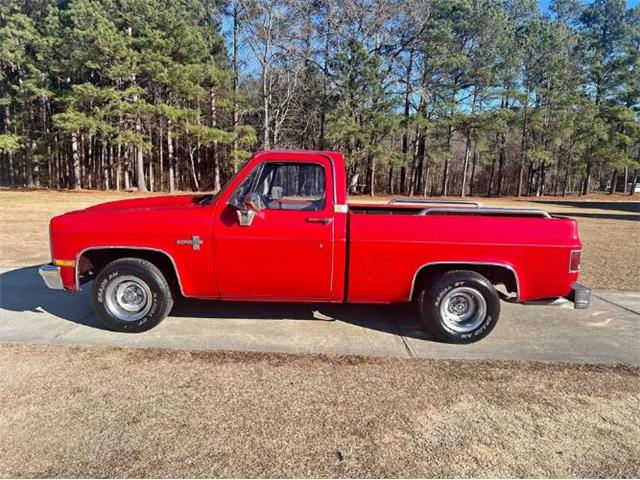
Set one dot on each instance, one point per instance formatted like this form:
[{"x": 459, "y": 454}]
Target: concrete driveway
[{"x": 609, "y": 332}]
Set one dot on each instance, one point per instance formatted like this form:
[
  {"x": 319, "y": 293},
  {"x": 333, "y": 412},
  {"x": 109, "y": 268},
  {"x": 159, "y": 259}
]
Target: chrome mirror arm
[{"x": 245, "y": 217}]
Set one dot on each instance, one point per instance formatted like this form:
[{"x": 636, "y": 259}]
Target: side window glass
[
  {"x": 293, "y": 186},
  {"x": 247, "y": 185}
]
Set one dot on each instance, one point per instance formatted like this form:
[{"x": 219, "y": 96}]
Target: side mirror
[
  {"x": 247, "y": 208},
  {"x": 245, "y": 217}
]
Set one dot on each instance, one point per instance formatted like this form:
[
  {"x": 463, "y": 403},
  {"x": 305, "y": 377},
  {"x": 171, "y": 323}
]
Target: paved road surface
[{"x": 609, "y": 332}]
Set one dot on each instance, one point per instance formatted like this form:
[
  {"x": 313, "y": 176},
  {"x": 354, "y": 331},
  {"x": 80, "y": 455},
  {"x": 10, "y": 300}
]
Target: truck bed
[{"x": 389, "y": 243}]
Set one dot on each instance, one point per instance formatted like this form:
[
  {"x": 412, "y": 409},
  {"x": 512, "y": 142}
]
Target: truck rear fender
[{"x": 497, "y": 273}]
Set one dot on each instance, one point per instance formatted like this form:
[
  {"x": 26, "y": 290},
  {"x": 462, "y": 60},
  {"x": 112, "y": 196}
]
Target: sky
[
  {"x": 544, "y": 4},
  {"x": 251, "y": 66},
  {"x": 630, "y": 3}
]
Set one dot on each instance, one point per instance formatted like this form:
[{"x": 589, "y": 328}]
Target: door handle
[{"x": 325, "y": 221}]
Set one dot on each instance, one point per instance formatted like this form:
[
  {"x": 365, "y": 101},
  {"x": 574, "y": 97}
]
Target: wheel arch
[
  {"x": 93, "y": 259},
  {"x": 496, "y": 272}
]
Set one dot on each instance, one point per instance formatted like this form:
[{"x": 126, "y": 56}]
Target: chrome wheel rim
[
  {"x": 128, "y": 298},
  {"x": 463, "y": 309}
]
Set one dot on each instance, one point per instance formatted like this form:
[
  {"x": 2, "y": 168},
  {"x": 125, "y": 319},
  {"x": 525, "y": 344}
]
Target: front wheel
[
  {"x": 460, "y": 307},
  {"x": 131, "y": 295}
]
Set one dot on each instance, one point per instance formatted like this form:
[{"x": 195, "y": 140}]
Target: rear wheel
[
  {"x": 131, "y": 295},
  {"x": 460, "y": 306}
]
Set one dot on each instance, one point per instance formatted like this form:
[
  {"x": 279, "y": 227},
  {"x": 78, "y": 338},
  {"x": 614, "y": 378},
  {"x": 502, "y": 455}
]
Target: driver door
[{"x": 286, "y": 253}]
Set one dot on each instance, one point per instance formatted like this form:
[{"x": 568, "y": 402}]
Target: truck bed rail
[
  {"x": 507, "y": 212},
  {"x": 433, "y": 201}
]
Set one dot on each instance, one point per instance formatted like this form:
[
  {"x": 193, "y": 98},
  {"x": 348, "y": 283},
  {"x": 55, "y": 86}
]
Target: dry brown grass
[
  {"x": 106, "y": 412},
  {"x": 611, "y": 247},
  {"x": 25, "y": 215}
]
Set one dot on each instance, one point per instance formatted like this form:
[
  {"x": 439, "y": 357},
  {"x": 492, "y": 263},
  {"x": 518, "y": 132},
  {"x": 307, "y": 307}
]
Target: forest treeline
[{"x": 439, "y": 97}]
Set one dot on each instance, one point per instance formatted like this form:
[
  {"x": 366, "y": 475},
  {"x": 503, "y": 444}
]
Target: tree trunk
[
  {"x": 127, "y": 179},
  {"x": 31, "y": 164},
  {"x": 614, "y": 182},
  {"x": 105, "y": 160},
  {"x": 213, "y": 122},
  {"x": 425, "y": 191},
  {"x": 501, "y": 162},
  {"x": 467, "y": 147},
  {"x": 492, "y": 176},
  {"x": 325, "y": 78},
  {"x": 236, "y": 110},
  {"x": 372, "y": 178},
  {"x": 151, "y": 179},
  {"x": 68, "y": 174},
  {"x": 119, "y": 167},
  {"x": 76, "y": 162},
  {"x": 12, "y": 177},
  {"x": 407, "y": 111},
  {"x": 465, "y": 165},
  {"x": 541, "y": 180},
  {"x": 10, "y": 157},
  {"x": 161, "y": 160},
  {"x": 445, "y": 177},
  {"x": 473, "y": 169},
  {"x": 626, "y": 180},
  {"x": 523, "y": 145},
  {"x": 196, "y": 184},
  {"x": 90, "y": 162},
  {"x": 504, "y": 103},
  {"x": 172, "y": 184},
  {"x": 556, "y": 179},
  {"x": 445, "y": 171},
  {"x": 586, "y": 185},
  {"x": 564, "y": 184},
  {"x": 265, "y": 102},
  {"x": 28, "y": 148},
  {"x": 142, "y": 186},
  {"x": 418, "y": 162},
  {"x": 635, "y": 181}
]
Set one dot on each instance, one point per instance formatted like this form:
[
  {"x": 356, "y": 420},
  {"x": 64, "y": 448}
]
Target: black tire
[
  {"x": 459, "y": 289},
  {"x": 137, "y": 283}
]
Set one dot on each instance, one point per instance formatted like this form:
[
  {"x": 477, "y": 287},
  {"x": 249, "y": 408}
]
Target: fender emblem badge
[{"x": 195, "y": 242}]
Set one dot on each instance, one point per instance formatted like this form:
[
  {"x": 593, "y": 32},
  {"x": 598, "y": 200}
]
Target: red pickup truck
[{"x": 282, "y": 230}]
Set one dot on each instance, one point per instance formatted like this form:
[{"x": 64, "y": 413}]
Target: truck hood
[
  {"x": 131, "y": 215},
  {"x": 153, "y": 221},
  {"x": 145, "y": 204}
]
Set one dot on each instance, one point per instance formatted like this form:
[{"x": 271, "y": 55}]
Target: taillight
[{"x": 574, "y": 261}]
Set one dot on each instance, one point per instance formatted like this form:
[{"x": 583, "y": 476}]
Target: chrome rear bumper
[
  {"x": 580, "y": 296},
  {"x": 51, "y": 276}
]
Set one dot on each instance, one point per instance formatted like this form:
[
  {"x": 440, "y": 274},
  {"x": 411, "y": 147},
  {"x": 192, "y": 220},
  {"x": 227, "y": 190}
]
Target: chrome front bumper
[
  {"x": 51, "y": 276},
  {"x": 580, "y": 296}
]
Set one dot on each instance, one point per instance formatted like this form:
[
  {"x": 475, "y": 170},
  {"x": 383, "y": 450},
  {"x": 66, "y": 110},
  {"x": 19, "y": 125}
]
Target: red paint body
[{"x": 360, "y": 256}]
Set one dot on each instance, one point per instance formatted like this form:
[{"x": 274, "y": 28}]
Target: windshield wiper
[{"x": 205, "y": 199}]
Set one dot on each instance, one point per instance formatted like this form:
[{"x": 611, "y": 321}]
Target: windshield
[{"x": 209, "y": 198}]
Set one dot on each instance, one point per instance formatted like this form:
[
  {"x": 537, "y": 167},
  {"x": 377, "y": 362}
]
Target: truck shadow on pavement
[{"x": 22, "y": 290}]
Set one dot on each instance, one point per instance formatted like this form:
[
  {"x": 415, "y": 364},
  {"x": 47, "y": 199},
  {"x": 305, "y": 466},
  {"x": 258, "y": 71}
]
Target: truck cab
[{"x": 290, "y": 238}]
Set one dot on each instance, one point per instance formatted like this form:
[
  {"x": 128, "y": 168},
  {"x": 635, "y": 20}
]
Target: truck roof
[{"x": 300, "y": 152}]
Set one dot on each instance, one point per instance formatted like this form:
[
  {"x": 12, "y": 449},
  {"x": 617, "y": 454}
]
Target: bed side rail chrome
[
  {"x": 433, "y": 201},
  {"x": 507, "y": 212}
]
